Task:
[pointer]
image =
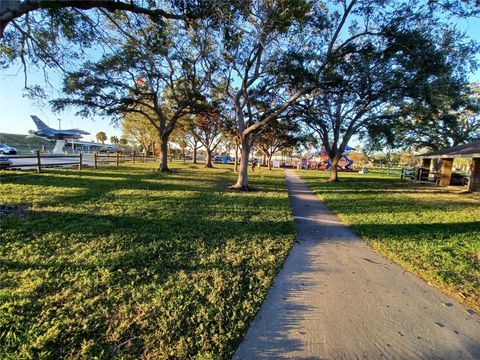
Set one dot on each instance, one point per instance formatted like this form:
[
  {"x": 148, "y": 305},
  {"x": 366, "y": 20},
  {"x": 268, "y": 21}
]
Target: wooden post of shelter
[
  {"x": 474, "y": 181},
  {"x": 39, "y": 163},
  {"x": 426, "y": 164},
  {"x": 446, "y": 172}
]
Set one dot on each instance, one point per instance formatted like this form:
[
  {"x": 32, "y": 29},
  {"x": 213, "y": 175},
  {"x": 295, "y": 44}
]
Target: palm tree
[
  {"x": 114, "y": 140},
  {"x": 102, "y": 137}
]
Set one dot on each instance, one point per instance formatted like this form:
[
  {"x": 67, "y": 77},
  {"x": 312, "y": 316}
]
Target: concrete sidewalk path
[{"x": 335, "y": 298}]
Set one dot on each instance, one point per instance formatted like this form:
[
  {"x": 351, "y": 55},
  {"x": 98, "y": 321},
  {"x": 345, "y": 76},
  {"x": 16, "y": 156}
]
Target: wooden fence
[
  {"x": 38, "y": 164},
  {"x": 117, "y": 158},
  {"x": 78, "y": 161}
]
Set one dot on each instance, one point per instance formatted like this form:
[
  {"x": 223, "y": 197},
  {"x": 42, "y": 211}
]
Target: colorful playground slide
[
  {"x": 325, "y": 164},
  {"x": 346, "y": 166}
]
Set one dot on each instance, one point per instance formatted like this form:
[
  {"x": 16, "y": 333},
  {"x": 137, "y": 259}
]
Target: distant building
[{"x": 87, "y": 146}]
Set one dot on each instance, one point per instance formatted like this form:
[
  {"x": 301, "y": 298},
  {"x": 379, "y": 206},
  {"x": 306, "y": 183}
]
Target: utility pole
[{"x": 59, "y": 126}]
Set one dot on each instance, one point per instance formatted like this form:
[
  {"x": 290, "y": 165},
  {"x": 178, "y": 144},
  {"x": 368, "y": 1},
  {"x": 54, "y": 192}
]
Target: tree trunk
[
  {"x": 209, "y": 159},
  {"x": 333, "y": 168},
  {"x": 183, "y": 153},
  {"x": 242, "y": 181},
  {"x": 164, "y": 155},
  {"x": 194, "y": 160},
  {"x": 235, "y": 168},
  {"x": 270, "y": 162}
]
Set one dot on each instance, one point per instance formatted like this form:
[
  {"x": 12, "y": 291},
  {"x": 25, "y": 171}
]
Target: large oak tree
[
  {"x": 162, "y": 73},
  {"x": 389, "y": 58},
  {"x": 251, "y": 47}
]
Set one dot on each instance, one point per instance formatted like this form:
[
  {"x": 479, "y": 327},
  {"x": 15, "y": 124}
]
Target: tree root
[
  {"x": 242, "y": 188},
  {"x": 164, "y": 171}
]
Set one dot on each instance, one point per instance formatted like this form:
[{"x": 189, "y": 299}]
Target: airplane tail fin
[{"x": 40, "y": 124}]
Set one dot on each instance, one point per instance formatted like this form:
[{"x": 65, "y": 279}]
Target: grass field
[
  {"x": 430, "y": 231},
  {"x": 127, "y": 263}
]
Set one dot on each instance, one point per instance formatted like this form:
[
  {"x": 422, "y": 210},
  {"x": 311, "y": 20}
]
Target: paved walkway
[{"x": 337, "y": 299}]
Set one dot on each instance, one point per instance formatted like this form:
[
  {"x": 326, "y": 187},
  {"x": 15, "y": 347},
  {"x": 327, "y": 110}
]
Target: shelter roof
[{"x": 470, "y": 150}]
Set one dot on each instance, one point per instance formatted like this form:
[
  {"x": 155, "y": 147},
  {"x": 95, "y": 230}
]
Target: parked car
[
  {"x": 458, "y": 179},
  {"x": 107, "y": 150},
  {"x": 4, "y": 162},
  {"x": 5, "y": 149}
]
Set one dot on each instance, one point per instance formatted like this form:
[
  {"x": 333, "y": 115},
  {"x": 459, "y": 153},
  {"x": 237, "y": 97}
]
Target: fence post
[
  {"x": 118, "y": 159},
  {"x": 39, "y": 163},
  {"x": 95, "y": 160},
  {"x": 133, "y": 156},
  {"x": 80, "y": 161}
]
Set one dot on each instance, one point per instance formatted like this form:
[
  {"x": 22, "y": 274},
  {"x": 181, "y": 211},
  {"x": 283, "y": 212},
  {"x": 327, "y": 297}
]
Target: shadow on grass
[
  {"x": 98, "y": 183},
  {"x": 398, "y": 206},
  {"x": 166, "y": 259},
  {"x": 418, "y": 232}
]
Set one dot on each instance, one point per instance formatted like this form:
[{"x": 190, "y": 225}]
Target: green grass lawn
[
  {"x": 127, "y": 263},
  {"x": 431, "y": 231}
]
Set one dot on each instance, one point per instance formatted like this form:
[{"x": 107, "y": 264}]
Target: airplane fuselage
[
  {"x": 53, "y": 134},
  {"x": 60, "y": 134}
]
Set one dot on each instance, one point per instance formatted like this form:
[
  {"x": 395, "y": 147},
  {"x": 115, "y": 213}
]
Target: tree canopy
[
  {"x": 387, "y": 62},
  {"x": 446, "y": 119},
  {"x": 347, "y": 67},
  {"x": 162, "y": 73}
]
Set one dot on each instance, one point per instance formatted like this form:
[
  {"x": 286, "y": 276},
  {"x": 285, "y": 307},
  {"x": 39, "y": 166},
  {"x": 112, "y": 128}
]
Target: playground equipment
[
  {"x": 345, "y": 166},
  {"x": 324, "y": 164}
]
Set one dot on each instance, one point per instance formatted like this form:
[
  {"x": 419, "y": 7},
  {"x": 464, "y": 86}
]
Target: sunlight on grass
[
  {"x": 33, "y": 195},
  {"x": 128, "y": 263},
  {"x": 433, "y": 232}
]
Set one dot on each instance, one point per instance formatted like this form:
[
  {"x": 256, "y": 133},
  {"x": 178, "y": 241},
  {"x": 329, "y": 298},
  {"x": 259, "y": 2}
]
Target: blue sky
[{"x": 15, "y": 109}]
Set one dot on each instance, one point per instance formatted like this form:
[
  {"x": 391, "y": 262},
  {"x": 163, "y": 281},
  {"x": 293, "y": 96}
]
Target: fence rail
[
  {"x": 78, "y": 160},
  {"x": 39, "y": 164},
  {"x": 118, "y": 158}
]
